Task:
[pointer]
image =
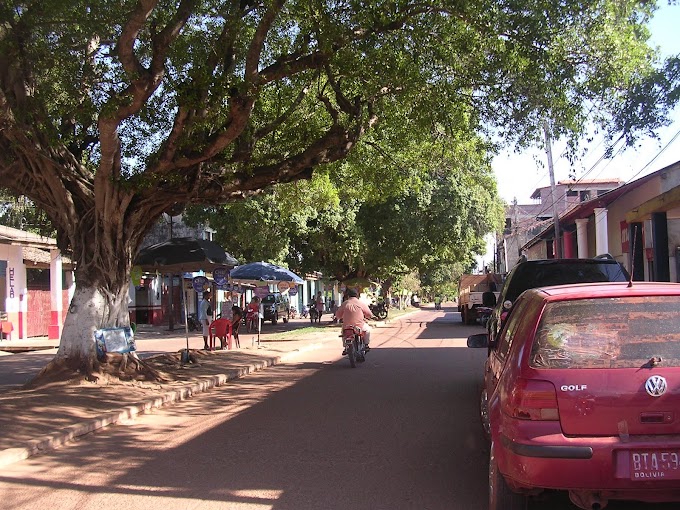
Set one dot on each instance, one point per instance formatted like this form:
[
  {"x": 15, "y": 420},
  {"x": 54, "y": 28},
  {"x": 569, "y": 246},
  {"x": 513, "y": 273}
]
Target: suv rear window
[
  {"x": 544, "y": 275},
  {"x": 608, "y": 333}
]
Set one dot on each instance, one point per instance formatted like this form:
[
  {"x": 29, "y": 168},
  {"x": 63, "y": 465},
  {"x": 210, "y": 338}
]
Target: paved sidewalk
[{"x": 34, "y": 420}]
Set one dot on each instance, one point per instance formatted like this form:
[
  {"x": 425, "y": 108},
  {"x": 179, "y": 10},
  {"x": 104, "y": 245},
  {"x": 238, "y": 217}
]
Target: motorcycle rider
[{"x": 353, "y": 312}]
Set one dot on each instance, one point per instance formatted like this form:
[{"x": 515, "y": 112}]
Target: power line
[
  {"x": 592, "y": 168},
  {"x": 656, "y": 155}
]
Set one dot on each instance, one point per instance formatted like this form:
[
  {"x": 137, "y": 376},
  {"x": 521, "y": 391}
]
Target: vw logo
[{"x": 656, "y": 386}]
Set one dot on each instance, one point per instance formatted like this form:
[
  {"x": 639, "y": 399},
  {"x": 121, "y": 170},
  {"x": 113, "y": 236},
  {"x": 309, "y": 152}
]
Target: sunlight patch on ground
[{"x": 270, "y": 494}]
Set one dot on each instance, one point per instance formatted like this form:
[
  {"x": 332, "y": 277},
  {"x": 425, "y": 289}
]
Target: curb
[{"x": 52, "y": 441}]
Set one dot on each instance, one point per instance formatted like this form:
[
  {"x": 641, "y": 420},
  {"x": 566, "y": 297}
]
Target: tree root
[{"x": 112, "y": 368}]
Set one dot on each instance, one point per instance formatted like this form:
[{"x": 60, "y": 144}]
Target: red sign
[{"x": 625, "y": 237}]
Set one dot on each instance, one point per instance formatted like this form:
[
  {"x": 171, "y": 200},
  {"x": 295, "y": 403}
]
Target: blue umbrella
[{"x": 264, "y": 272}]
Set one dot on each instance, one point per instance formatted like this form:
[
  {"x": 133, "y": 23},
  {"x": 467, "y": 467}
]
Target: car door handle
[{"x": 660, "y": 417}]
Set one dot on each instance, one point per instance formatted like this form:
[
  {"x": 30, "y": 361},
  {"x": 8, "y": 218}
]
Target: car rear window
[
  {"x": 609, "y": 333},
  {"x": 268, "y": 299},
  {"x": 544, "y": 275}
]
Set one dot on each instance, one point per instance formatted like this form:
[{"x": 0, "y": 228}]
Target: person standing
[
  {"x": 319, "y": 305},
  {"x": 334, "y": 308},
  {"x": 204, "y": 316},
  {"x": 236, "y": 318}
]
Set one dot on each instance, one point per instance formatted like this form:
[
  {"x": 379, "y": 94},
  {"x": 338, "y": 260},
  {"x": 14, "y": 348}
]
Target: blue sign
[
  {"x": 220, "y": 275},
  {"x": 200, "y": 283},
  {"x": 120, "y": 340}
]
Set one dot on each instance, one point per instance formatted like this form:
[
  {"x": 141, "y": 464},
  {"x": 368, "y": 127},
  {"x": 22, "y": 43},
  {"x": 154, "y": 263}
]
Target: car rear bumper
[
  {"x": 547, "y": 451},
  {"x": 598, "y": 464}
]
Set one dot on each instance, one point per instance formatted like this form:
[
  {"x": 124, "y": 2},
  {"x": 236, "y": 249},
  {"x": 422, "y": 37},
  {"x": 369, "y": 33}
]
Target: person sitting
[
  {"x": 313, "y": 313},
  {"x": 353, "y": 312}
]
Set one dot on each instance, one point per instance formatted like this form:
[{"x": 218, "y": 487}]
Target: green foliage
[
  {"x": 119, "y": 110},
  {"x": 504, "y": 66},
  {"x": 112, "y": 112},
  {"x": 387, "y": 214},
  {"x": 442, "y": 279},
  {"x": 251, "y": 230},
  {"x": 21, "y": 213},
  {"x": 409, "y": 282}
]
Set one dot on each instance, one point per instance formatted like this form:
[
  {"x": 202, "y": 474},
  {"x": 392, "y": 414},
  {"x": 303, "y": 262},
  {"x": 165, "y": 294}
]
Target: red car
[{"x": 583, "y": 391}]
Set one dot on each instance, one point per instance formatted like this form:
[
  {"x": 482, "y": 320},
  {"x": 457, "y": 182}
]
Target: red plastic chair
[
  {"x": 6, "y": 328},
  {"x": 220, "y": 328}
]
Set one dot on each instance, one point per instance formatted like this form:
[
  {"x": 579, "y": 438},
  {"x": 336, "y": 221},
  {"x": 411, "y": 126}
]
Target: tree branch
[
  {"x": 265, "y": 130},
  {"x": 334, "y": 145},
  {"x": 286, "y": 66},
  {"x": 251, "y": 74}
]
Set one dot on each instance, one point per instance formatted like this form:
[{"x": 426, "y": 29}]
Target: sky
[{"x": 518, "y": 175}]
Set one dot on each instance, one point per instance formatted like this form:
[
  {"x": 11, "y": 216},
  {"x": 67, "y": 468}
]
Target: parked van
[{"x": 276, "y": 306}]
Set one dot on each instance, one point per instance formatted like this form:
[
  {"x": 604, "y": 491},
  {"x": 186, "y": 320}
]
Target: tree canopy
[
  {"x": 113, "y": 112},
  {"x": 424, "y": 205}
]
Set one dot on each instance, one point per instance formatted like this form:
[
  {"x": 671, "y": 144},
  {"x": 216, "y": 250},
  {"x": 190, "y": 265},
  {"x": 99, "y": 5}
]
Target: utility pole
[{"x": 553, "y": 192}]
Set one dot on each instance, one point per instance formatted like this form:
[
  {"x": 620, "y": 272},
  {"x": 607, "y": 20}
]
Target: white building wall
[
  {"x": 16, "y": 300},
  {"x": 673, "y": 218}
]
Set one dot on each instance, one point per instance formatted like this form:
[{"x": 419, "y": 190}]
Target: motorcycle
[
  {"x": 293, "y": 313},
  {"x": 379, "y": 310},
  {"x": 353, "y": 343},
  {"x": 193, "y": 322},
  {"x": 304, "y": 313},
  {"x": 314, "y": 315}
]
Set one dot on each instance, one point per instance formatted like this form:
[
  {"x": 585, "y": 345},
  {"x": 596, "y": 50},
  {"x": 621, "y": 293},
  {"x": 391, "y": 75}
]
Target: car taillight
[{"x": 533, "y": 400}]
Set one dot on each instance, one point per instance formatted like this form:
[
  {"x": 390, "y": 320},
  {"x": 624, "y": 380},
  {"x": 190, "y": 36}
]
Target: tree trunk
[
  {"x": 102, "y": 251},
  {"x": 91, "y": 309},
  {"x": 386, "y": 289}
]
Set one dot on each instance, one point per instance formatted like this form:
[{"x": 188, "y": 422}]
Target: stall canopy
[
  {"x": 263, "y": 272},
  {"x": 185, "y": 254}
]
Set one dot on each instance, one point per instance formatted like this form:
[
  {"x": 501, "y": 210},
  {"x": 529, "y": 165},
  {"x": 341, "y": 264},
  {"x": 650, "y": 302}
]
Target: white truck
[{"x": 471, "y": 289}]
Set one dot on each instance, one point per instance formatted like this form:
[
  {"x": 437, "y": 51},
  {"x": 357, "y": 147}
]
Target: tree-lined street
[
  {"x": 113, "y": 115},
  {"x": 399, "y": 432},
  {"x": 351, "y": 141}
]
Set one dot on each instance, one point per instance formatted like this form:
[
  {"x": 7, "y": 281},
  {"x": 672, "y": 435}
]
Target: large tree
[
  {"x": 426, "y": 203},
  {"x": 113, "y": 111}
]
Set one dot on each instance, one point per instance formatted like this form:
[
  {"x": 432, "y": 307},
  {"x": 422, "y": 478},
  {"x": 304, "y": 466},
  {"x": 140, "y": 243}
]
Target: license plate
[{"x": 655, "y": 465}]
